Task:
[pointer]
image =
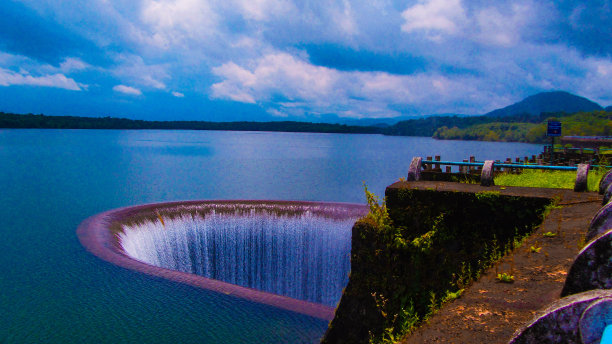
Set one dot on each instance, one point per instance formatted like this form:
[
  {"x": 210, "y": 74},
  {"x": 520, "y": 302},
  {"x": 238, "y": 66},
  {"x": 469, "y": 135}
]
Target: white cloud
[
  {"x": 502, "y": 29},
  {"x": 8, "y": 78},
  {"x": 127, "y": 90},
  {"x": 596, "y": 84},
  {"x": 486, "y": 53},
  {"x": 178, "y": 94},
  {"x": 499, "y": 24},
  {"x": 264, "y": 9},
  {"x": 434, "y": 16},
  {"x": 278, "y": 73},
  {"x": 73, "y": 64},
  {"x": 175, "y": 22},
  {"x": 137, "y": 71},
  {"x": 345, "y": 19},
  {"x": 288, "y": 84}
]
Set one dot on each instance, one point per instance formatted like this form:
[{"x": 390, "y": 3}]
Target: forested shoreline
[
  {"x": 517, "y": 128},
  {"x": 15, "y": 121}
]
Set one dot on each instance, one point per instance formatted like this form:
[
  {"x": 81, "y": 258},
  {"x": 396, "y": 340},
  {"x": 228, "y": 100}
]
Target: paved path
[{"x": 490, "y": 311}]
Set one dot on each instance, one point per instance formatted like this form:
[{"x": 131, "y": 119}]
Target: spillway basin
[{"x": 291, "y": 255}]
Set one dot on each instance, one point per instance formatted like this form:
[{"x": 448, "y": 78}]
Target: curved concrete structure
[
  {"x": 562, "y": 322},
  {"x": 607, "y": 195},
  {"x": 100, "y": 233},
  {"x": 601, "y": 222},
  {"x": 605, "y": 181},
  {"x": 592, "y": 268}
]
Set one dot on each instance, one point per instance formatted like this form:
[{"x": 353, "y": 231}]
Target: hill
[{"x": 558, "y": 101}]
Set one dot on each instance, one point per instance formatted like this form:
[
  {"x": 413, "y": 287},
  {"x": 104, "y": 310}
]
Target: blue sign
[{"x": 554, "y": 128}]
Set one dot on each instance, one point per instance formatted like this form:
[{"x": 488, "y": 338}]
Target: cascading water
[{"x": 297, "y": 251}]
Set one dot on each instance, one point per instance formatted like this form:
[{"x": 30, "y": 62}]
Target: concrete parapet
[
  {"x": 575, "y": 319},
  {"x": 592, "y": 268},
  {"x": 605, "y": 181},
  {"x": 601, "y": 222}
]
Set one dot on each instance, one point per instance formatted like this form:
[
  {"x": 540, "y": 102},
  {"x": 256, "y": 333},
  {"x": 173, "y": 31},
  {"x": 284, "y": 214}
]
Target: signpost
[{"x": 554, "y": 130}]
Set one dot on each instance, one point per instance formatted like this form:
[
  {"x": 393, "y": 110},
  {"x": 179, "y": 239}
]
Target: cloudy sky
[{"x": 297, "y": 59}]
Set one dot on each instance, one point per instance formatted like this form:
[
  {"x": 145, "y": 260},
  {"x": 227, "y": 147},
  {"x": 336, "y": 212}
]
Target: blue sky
[{"x": 297, "y": 59}]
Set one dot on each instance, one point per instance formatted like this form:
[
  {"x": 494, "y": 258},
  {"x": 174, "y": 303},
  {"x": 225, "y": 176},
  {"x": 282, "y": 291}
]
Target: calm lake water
[{"x": 53, "y": 291}]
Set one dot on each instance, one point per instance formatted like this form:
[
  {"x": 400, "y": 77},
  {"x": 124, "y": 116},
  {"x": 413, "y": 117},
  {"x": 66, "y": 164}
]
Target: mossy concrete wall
[{"x": 441, "y": 235}]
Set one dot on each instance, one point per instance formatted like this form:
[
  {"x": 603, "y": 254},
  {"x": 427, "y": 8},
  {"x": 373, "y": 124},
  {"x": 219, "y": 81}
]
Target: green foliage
[
  {"x": 378, "y": 211},
  {"x": 549, "y": 235},
  {"x": 396, "y": 326},
  {"x": 505, "y": 278},
  {"x": 497, "y": 131},
  {"x": 488, "y": 196},
  {"x": 595, "y": 123},
  {"x": 535, "y": 249},
  {"x": 450, "y": 296}
]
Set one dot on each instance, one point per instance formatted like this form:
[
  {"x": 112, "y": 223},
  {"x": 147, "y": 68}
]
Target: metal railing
[{"x": 507, "y": 165}]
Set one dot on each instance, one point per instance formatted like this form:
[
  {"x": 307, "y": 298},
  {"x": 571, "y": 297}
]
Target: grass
[
  {"x": 505, "y": 278},
  {"x": 535, "y": 249},
  {"x": 549, "y": 179}
]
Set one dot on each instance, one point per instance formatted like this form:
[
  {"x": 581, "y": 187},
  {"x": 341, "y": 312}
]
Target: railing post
[
  {"x": 414, "y": 171},
  {"x": 581, "y": 178},
  {"x": 486, "y": 176}
]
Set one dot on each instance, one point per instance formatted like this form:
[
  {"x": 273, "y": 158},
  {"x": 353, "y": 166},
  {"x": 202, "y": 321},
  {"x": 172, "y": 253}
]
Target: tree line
[
  {"x": 8, "y": 120},
  {"x": 517, "y": 128}
]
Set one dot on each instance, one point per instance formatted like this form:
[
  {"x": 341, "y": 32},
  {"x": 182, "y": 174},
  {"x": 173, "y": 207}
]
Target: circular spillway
[{"x": 291, "y": 255}]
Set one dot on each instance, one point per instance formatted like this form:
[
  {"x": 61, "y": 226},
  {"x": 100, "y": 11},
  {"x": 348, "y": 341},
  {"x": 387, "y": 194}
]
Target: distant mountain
[
  {"x": 609, "y": 108},
  {"x": 558, "y": 101}
]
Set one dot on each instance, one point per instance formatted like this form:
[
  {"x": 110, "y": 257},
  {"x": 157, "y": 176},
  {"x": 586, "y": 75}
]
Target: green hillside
[{"x": 595, "y": 123}]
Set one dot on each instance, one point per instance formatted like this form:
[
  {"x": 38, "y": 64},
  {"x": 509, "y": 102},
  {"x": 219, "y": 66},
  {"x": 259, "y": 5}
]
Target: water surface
[{"x": 53, "y": 291}]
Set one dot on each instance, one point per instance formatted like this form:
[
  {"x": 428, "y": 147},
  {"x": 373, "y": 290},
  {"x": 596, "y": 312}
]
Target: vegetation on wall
[{"x": 420, "y": 249}]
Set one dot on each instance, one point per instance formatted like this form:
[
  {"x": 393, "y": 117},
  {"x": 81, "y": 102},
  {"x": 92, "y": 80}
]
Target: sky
[{"x": 259, "y": 60}]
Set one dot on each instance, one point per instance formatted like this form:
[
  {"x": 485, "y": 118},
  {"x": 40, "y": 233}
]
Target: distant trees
[
  {"x": 8, "y": 120},
  {"x": 517, "y": 128}
]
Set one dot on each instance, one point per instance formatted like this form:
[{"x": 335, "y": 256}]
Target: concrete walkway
[{"x": 490, "y": 311}]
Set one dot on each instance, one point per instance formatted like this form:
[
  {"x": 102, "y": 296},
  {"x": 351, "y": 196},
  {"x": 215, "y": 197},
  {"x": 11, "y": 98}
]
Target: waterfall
[{"x": 300, "y": 254}]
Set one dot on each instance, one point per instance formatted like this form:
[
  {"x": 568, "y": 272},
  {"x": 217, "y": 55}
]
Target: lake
[{"x": 53, "y": 291}]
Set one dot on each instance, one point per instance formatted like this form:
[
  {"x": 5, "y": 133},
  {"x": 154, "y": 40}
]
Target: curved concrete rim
[{"x": 95, "y": 236}]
